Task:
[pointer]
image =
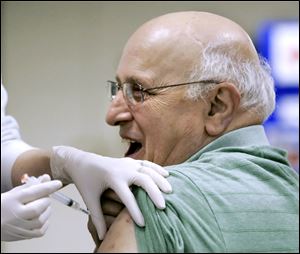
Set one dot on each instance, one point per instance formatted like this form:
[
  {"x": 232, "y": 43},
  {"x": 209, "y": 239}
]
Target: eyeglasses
[{"x": 135, "y": 93}]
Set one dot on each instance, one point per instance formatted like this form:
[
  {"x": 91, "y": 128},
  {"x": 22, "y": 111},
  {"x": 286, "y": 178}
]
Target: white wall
[{"x": 55, "y": 59}]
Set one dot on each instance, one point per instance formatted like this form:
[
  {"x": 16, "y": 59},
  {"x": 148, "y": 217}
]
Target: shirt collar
[{"x": 247, "y": 136}]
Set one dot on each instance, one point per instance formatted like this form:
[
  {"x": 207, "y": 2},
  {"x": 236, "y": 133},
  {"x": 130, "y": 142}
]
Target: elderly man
[{"x": 191, "y": 94}]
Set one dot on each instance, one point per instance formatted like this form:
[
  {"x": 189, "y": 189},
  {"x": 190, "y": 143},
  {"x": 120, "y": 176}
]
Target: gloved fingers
[
  {"x": 160, "y": 181},
  {"x": 93, "y": 232},
  {"x": 44, "y": 178},
  {"x": 40, "y": 190},
  {"x": 35, "y": 208},
  {"x": 10, "y": 235},
  {"x": 93, "y": 204},
  {"x": 160, "y": 170},
  {"x": 38, "y": 222},
  {"x": 18, "y": 189},
  {"x": 21, "y": 233},
  {"x": 129, "y": 201},
  {"x": 99, "y": 222},
  {"x": 151, "y": 188}
]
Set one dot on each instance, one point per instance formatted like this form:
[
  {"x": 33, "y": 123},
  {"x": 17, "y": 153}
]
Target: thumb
[
  {"x": 44, "y": 178},
  {"x": 99, "y": 224},
  {"x": 94, "y": 206}
]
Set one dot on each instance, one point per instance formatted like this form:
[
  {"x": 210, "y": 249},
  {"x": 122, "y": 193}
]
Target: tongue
[{"x": 133, "y": 148}]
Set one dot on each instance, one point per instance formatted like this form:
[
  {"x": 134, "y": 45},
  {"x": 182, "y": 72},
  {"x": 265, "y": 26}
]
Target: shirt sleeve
[
  {"x": 11, "y": 143},
  {"x": 187, "y": 224}
]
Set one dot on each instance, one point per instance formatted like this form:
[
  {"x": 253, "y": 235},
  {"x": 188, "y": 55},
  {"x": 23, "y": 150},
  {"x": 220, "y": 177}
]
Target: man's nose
[{"x": 118, "y": 110}]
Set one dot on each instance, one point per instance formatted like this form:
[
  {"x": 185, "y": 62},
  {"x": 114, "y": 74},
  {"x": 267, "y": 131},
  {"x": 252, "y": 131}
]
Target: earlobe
[{"x": 224, "y": 102}]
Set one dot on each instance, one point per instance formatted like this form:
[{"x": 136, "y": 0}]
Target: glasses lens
[
  {"x": 133, "y": 93},
  {"x": 112, "y": 89}
]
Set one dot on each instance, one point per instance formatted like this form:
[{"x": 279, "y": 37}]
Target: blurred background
[{"x": 57, "y": 55}]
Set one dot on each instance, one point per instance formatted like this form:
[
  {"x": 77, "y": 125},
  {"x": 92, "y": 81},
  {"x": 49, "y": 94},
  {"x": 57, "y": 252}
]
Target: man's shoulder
[
  {"x": 234, "y": 158},
  {"x": 235, "y": 167}
]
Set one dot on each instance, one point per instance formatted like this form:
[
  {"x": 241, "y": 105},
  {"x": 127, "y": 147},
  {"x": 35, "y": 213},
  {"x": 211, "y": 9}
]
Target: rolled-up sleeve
[{"x": 11, "y": 144}]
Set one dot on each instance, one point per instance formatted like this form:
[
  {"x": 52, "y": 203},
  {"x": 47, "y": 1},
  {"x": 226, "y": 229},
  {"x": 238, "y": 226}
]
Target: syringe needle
[
  {"x": 68, "y": 202},
  {"x": 85, "y": 211}
]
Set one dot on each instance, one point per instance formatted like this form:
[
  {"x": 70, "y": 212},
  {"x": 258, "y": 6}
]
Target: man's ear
[{"x": 223, "y": 102}]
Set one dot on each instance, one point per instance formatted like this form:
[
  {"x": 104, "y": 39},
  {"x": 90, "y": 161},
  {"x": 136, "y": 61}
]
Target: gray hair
[{"x": 252, "y": 78}]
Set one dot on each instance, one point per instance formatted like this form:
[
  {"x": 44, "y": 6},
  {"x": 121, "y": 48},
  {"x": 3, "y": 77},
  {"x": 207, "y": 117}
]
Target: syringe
[
  {"x": 68, "y": 202},
  {"x": 62, "y": 198}
]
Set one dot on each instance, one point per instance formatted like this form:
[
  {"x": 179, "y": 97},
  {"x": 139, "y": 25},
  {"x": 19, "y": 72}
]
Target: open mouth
[{"x": 134, "y": 147}]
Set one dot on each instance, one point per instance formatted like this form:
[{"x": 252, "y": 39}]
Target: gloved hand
[
  {"x": 25, "y": 210},
  {"x": 111, "y": 207},
  {"x": 93, "y": 174}
]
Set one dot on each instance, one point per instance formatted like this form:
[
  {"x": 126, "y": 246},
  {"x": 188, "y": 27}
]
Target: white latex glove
[
  {"x": 25, "y": 210},
  {"x": 93, "y": 174}
]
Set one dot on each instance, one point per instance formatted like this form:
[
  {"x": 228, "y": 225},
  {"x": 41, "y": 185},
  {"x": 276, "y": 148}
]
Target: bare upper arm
[
  {"x": 34, "y": 162},
  {"x": 120, "y": 236}
]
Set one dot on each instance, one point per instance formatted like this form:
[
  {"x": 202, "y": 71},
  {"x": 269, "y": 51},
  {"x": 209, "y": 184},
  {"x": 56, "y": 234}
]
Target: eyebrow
[{"x": 130, "y": 79}]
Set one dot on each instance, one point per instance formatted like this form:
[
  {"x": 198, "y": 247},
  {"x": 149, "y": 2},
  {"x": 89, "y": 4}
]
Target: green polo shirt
[{"x": 237, "y": 194}]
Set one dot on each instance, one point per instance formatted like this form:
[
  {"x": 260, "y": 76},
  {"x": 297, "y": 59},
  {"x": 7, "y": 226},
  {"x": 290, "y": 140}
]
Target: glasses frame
[{"x": 143, "y": 90}]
